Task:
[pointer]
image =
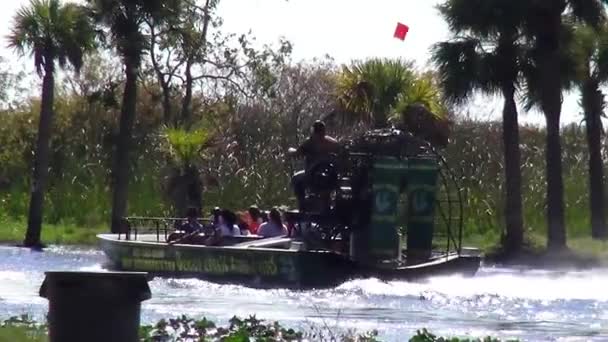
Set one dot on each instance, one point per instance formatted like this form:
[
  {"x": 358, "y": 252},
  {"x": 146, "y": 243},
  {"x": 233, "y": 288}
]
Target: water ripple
[{"x": 527, "y": 304}]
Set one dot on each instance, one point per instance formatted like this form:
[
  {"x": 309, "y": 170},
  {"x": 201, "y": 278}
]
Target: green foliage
[
  {"x": 425, "y": 336},
  {"x": 253, "y": 150},
  {"x": 22, "y": 328},
  {"x": 185, "y": 329},
  {"x": 374, "y": 87},
  {"x": 51, "y": 31},
  {"x": 62, "y": 233},
  {"x": 185, "y": 146},
  {"x": 424, "y": 90},
  {"x": 122, "y": 21},
  {"x": 475, "y": 155},
  {"x": 374, "y": 90}
]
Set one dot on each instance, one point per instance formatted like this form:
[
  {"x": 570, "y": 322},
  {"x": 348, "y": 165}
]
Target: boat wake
[{"x": 488, "y": 283}]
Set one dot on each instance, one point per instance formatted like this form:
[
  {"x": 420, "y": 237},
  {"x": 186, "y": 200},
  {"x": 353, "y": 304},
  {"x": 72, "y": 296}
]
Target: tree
[
  {"x": 485, "y": 56},
  {"x": 123, "y": 21},
  {"x": 184, "y": 184},
  {"x": 590, "y": 53},
  {"x": 373, "y": 88},
  {"x": 51, "y": 33},
  {"x": 189, "y": 53},
  {"x": 376, "y": 91},
  {"x": 545, "y": 29},
  {"x": 176, "y": 46}
]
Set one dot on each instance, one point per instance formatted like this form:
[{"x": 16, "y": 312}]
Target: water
[{"x": 530, "y": 305}]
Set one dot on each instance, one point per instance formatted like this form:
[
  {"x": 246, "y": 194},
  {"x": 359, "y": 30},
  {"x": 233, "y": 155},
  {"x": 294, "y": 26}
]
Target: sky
[{"x": 343, "y": 29}]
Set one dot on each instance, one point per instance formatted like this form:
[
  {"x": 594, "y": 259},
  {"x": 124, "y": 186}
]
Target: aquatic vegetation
[
  {"x": 425, "y": 336},
  {"x": 185, "y": 329}
]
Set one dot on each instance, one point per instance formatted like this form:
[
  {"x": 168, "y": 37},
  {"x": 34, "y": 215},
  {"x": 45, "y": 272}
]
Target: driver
[{"x": 318, "y": 147}]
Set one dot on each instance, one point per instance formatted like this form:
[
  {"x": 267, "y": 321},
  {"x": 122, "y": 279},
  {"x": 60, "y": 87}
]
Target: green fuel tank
[
  {"x": 422, "y": 198},
  {"x": 390, "y": 177},
  {"x": 387, "y": 177}
]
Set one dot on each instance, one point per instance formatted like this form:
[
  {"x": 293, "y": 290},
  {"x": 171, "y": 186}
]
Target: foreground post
[{"x": 94, "y": 306}]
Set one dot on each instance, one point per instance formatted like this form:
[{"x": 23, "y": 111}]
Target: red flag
[{"x": 401, "y": 31}]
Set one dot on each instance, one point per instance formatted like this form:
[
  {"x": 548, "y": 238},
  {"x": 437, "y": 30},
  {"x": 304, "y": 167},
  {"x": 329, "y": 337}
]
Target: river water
[{"x": 526, "y": 304}]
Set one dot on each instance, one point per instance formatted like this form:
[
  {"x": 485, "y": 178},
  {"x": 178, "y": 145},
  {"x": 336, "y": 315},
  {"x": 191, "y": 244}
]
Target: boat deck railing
[{"x": 161, "y": 227}]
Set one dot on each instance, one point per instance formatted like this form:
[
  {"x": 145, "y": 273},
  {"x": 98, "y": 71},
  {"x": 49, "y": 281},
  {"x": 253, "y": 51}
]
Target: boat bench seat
[
  {"x": 235, "y": 240},
  {"x": 280, "y": 241}
]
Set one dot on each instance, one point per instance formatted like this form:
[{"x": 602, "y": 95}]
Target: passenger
[
  {"x": 191, "y": 225},
  {"x": 215, "y": 215},
  {"x": 274, "y": 227},
  {"x": 255, "y": 217},
  {"x": 264, "y": 215},
  {"x": 242, "y": 218},
  {"x": 227, "y": 224}
]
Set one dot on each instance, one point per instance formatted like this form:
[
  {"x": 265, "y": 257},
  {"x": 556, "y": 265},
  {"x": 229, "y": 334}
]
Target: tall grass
[{"x": 475, "y": 154}]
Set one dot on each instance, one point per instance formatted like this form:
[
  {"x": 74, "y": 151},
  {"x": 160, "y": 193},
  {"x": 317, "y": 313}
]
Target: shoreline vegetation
[
  {"x": 77, "y": 202},
  {"x": 186, "y": 329}
]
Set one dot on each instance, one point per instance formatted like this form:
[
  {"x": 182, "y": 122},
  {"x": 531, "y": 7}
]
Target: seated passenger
[
  {"x": 264, "y": 217},
  {"x": 227, "y": 224},
  {"x": 255, "y": 219},
  {"x": 191, "y": 225},
  {"x": 274, "y": 227},
  {"x": 186, "y": 229},
  {"x": 241, "y": 222},
  {"x": 215, "y": 216}
]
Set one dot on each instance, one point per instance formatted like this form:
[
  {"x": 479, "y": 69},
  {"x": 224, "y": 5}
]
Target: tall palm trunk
[
  {"x": 548, "y": 40},
  {"x": 123, "y": 146},
  {"x": 592, "y": 100},
  {"x": 556, "y": 228},
  {"x": 41, "y": 163},
  {"x": 513, "y": 206}
]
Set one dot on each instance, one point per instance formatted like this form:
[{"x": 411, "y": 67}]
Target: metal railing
[{"x": 159, "y": 226}]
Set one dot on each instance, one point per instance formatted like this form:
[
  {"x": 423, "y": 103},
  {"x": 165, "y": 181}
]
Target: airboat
[{"x": 388, "y": 206}]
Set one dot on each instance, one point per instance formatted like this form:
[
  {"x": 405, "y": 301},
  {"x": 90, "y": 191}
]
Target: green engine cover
[
  {"x": 421, "y": 194},
  {"x": 387, "y": 178}
]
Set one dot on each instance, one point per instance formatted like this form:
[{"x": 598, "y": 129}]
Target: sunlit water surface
[{"x": 530, "y": 305}]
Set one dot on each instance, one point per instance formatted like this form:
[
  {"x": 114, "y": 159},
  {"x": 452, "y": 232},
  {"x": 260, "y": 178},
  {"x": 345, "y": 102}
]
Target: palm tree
[
  {"x": 51, "y": 33},
  {"x": 372, "y": 88},
  {"x": 123, "y": 21},
  {"x": 485, "y": 57},
  {"x": 184, "y": 183},
  {"x": 590, "y": 52},
  {"x": 376, "y": 91},
  {"x": 545, "y": 29}
]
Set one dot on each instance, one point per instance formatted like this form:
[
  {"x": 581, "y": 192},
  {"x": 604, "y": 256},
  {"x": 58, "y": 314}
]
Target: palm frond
[
  {"x": 51, "y": 32},
  {"x": 185, "y": 146},
  {"x": 489, "y": 19},
  {"x": 424, "y": 91},
  {"x": 458, "y": 63},
  {"x": 371, "y": 89},
  {"x": 123, "y": 20},
  {"x": 532, "y": 76}
]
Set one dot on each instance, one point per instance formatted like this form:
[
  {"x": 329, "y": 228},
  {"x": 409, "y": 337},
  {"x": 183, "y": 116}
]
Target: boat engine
[{"x": 385, "y": 183}]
